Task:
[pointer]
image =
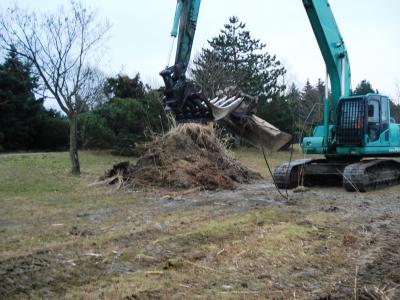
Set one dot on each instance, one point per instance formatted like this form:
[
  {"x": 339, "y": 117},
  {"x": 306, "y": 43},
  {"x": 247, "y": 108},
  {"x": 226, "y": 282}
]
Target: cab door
[
  {"x": 378, "y": 121},
  {"x": 385, "y": 121}
]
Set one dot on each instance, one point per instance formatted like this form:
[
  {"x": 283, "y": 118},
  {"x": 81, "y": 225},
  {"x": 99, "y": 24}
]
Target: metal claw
[{"x": 221, "y": 107}]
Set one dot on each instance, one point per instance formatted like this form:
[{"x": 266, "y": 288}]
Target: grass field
[
  {"x": 37, "y": 190},
  {"x": 62, "y": 237}
]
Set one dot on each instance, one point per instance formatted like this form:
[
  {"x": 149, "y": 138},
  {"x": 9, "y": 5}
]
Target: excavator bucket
[
  {"x": 257, "y": 131},
  {"x": 243, "y": 122}
]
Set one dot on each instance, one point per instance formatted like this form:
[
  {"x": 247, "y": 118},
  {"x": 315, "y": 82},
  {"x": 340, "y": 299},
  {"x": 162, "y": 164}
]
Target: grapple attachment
[
  {"x": 189, "y": 105},
  {"x": 222, "y": 107},
  {"x": 196, "y": 108}
]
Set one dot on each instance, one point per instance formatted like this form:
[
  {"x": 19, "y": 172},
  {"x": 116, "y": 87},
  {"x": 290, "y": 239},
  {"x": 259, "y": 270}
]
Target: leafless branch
[{"x": 61, "y": 47}]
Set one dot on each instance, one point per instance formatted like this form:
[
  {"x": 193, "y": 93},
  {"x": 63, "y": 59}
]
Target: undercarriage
[{"x": 361, "y": 176}]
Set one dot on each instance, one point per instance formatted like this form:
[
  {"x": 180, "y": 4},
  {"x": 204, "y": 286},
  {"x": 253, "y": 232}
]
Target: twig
[
  {"x": 355, "y": 285},
  {"x": 93, "y": 254},
  {"x": 154, "y": 273},
  {"x": 349, "y": 181},
  {"x": 221, "y": 251}
]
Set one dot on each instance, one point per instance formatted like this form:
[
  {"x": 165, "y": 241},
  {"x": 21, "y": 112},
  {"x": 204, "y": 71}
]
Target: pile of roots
[{"x": 188, "y": 156}]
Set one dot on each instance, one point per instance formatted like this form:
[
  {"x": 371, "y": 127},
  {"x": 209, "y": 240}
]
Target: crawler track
[
  {"x": 288, "y": 175},
  {"x": 371, "y": 174},
  {"x": 309, "y": 172},
  {"x": 360, "y": 176}
]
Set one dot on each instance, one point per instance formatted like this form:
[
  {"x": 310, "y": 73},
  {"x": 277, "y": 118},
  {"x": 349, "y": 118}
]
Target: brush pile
[{"x": 188, "y": 156}]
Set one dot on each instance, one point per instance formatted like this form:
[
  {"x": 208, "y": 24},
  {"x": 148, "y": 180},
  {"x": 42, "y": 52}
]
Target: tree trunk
[{"x": 73, "y": 144}]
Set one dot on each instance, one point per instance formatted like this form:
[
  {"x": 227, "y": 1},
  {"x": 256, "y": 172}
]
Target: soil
[
  {"x": 188, "y": 156},
  {"x": 367, "y": 262}
]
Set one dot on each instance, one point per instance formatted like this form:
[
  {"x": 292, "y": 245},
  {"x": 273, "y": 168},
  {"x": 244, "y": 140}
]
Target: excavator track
[
  {"x": 371, "y": 174},
  {"x": 360, "y": 176},
  {"x": 288, "y": 175}
]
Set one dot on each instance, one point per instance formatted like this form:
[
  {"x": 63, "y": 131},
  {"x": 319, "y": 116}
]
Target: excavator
[
  {"x": 357, "y": 136},
  {"x": 355, "y": 142}
]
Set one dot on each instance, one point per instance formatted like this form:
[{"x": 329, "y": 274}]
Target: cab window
[
  {"x": 373, "y": 111},
  {"x": 385, "y": 111}
]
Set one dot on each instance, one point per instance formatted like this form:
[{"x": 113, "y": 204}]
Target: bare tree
[
  {"x": 61, "y": 47},
  {"x": 92, "y": 92}
]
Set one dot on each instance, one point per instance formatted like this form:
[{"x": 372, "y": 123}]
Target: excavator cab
[{"x": 363, "y": 121}]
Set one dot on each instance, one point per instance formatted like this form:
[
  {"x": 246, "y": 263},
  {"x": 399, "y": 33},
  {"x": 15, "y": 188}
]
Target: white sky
[{"x": 139, "y": 38}]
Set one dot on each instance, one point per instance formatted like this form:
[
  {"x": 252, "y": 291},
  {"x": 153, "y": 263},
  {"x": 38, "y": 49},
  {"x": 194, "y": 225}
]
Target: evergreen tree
[
  {"x": 311, "y": 103},
  {"x": 278, "y": 112},
  {"x": 121, "y": 123},
  {"x": 363, "y": 88},
  {"x": 294, "y": 99},
  {"x": 124, "y": 87},
  {"x": 236, "y": 60},
  {"x": 20, "y": 113}
]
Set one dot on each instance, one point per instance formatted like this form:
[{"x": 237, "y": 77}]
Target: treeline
[
  {"x": 128, "y": 113},
  {"x": 131, "y": 115},
  {"x": 24, "y": 122}
]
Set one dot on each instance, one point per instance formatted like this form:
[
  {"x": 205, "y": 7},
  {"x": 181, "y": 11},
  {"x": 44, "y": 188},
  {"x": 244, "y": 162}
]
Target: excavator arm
[
  {"x": 188, "y": 104},
  {"x": 334, "y": 52},
  {"x": 332, "y": 46},
  {"x": 181, "y": 97}
]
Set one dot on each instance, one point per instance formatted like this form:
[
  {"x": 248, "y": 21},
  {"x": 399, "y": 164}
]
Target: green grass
[
  {"x": 31, "y": 175},
  {"x": 38, "y": 190}
]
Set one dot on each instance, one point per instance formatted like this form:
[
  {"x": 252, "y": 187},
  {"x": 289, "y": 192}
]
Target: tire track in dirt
[
  {"x": 381, "y": 276},
  {"x": 52, "y": 272}
]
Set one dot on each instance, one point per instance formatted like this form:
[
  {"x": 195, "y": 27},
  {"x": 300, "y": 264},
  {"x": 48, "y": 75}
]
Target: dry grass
[
  {"x": 107, "y": 244},
  {"x": 254, "y": 159}
]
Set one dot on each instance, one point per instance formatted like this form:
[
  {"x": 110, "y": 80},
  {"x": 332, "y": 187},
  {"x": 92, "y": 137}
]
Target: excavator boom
[{"x": 181, "y": 97}]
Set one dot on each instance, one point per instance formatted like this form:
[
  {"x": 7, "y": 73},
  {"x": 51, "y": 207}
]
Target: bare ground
[{"x": 250, "y": 243}]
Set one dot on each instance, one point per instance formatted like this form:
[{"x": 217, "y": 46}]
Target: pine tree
[
  {"x": 20, "y": 113},
  {"x": 236, "y": 60},
  {"x": 122, "y": 86},
  {"x": 363, "y": 88}
]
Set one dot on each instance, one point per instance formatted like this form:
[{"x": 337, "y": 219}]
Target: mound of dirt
[{"x": 188, "y": 156}]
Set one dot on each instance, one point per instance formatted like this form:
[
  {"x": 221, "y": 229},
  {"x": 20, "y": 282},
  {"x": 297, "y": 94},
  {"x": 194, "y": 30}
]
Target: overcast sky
[{"x": 139, "y": 38}]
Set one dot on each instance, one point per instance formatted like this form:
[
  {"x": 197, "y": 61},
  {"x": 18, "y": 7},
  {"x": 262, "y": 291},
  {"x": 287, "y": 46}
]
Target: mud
[
  {"x": 368, "y": 262},
  {"x": 49, "y": 272}
]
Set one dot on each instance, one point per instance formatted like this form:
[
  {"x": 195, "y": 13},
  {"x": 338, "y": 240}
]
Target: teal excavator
[{"x": 355, "y": 130}]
